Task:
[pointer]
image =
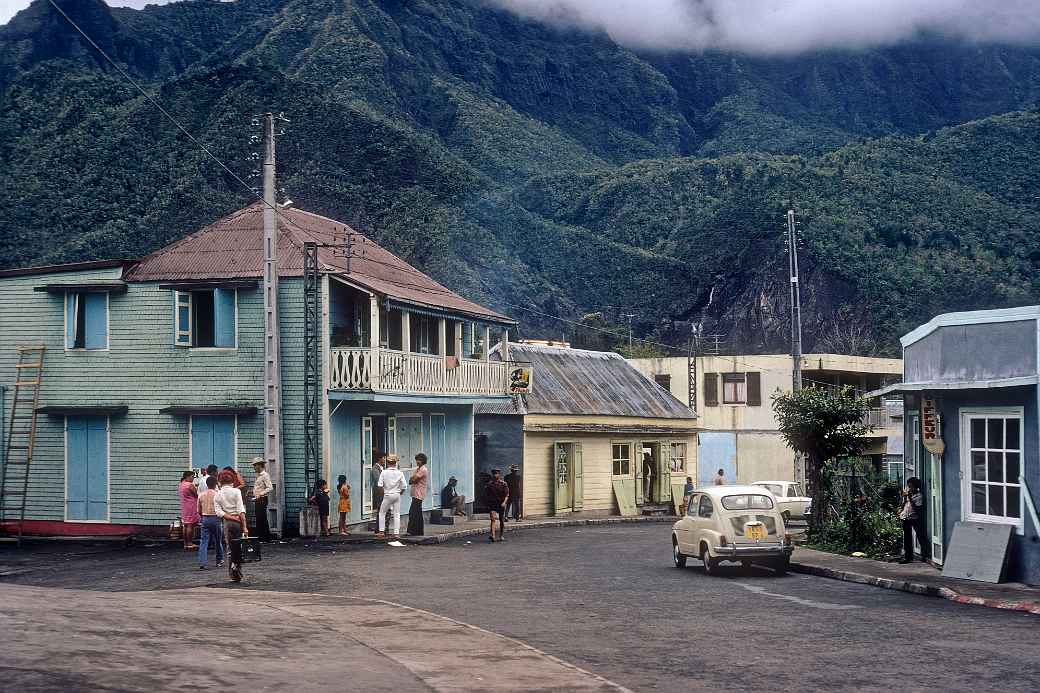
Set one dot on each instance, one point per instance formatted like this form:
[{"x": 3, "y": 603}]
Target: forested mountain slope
[{"x": 526, "y": 165}]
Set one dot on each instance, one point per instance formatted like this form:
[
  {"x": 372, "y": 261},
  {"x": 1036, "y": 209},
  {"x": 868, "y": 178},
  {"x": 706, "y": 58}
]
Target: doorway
[
  {"x": 568, "y": 487},
  {"x": 654, "y": 483}
]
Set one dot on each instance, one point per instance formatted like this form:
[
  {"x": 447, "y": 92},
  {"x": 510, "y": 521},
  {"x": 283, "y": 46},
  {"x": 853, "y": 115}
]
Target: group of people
[{"x": 213, "y": 503}]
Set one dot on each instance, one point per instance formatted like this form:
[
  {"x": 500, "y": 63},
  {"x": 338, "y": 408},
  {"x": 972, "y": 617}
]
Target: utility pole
[
  {"x": 796, "y": 303},
  {"x": 629, "y": 317},
  {"x": 691, "y": 367},
  {"x": 272, "y": 334}
]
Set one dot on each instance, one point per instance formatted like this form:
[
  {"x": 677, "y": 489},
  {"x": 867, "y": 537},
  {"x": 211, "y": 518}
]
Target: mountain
[{"x": 535, "y": 167}]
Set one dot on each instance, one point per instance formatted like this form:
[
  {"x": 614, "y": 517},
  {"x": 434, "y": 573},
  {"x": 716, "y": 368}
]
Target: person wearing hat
[
  {"x": 451, "y": 499},
  {"x": 262, "y": 488},
  {"x": 497, "y": 494},
  {"x": 516, "y": 493},
  {"x": 393, "y": 483}
]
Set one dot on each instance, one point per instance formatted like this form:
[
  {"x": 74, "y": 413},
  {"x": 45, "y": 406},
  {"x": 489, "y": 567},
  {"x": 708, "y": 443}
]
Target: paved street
[{"x": 608, "y": 600}]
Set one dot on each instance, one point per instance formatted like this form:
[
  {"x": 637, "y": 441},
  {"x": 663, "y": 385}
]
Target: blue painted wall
[{"x": 715, "y": 451}]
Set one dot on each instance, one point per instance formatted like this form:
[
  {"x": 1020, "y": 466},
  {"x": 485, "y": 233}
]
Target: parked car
[
  {"x": 793, "y": 503},
  {"x": 732, "y": 523}
]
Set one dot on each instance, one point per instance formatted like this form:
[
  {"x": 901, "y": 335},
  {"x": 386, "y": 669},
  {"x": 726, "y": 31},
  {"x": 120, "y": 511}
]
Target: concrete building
[
  {"x": 971, "y": 427},
  {"x": 156, "y": 366},
  {"x": 731, "y": 395},
  {"x": 592, "y": 435}
]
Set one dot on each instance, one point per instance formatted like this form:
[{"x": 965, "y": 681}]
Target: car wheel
[
  {"x": 782, "y": 565},
  {"x": 678, "y": 557},
  {"x": 787, "y": 516},
  {"x": 711, "y": 565}
]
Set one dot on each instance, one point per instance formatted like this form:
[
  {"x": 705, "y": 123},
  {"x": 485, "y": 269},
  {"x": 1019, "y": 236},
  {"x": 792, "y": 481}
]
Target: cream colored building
[
  {"x": 593, "y": 435},
  {"x": 732, "y": 396}
]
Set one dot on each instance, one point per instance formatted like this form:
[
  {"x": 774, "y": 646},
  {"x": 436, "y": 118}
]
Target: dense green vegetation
[{"x": 529, "y": 166}]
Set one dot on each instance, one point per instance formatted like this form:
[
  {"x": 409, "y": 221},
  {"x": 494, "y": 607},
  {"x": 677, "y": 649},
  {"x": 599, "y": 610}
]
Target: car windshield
[
  {"x": 747, "y": 501},
  {"x": 776, "y": 489}
]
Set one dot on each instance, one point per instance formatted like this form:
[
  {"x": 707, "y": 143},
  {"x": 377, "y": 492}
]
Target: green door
[
  {"x": 579, "y": 487},
  {"x": 561, "y": 466},
  {"x": 662, "y": 455},
  {"x": 637, "y": 460}
]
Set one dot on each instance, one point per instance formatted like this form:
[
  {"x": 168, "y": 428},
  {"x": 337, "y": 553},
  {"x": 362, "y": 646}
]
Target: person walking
[
  {"x": 189, "y": 509},
  {"x": 420, "y": 483},
  {"x": 392, "y": 483},
  {"x": 343, "y": 489},
  {"x": 497, "y": 494},
  {"x": 912, "y": 515},
  {"x": 451, "y": 499},
  {"x": 211, "y": 532},
  {"x": 262, "y": 488},
  {"x": 516, "y": 493},
  {"x": 232, "y": 512},
  {"x": 320, "y": 496},
  {"x": 720, "y": 478}
]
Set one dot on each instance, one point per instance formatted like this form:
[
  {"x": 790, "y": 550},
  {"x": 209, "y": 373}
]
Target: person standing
[
  {"x": 720, "y": 478},
  {"x": 451, "y": 499},
  {"x": 420, "y": 483},
  {"x": 320, "y": 496},
  {"x": 516, "y": 493},
  {"x": 262, "y": 488},
  {"x": 377, "y": 469},
  {"x": 497, "y": 494},
  {"x": 210, "y": 525},
  {"x": 200, "y": 480},
  {"x": 189, "y": 509},
  {"x": 232, "y": 511},
  {"x": 687, "y": 492},
  {"x": 343, "y": 489},
  {"x": 648, "y": 478},
  {"x": 392, "y": 483},
  {"x": 912, "y": 515}
]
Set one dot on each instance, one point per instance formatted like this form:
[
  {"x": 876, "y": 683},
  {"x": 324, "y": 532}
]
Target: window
[
  {"x": 421, "y": 327},
  {"x": 747, "y": 501},
  {"x": 992, "y": 461},
  {"x": 206, "y": 318},
  {"x": 663, "y": 380},
  {"x": 691, "y": 508},
  {"x": 734, "y": 388},
  {"x": 86, "y": 320},
  {"x": 705, "y": 508},
  {"x": 776, "y": 489},
  {"x": 678, "y": 458},
  {"x": 622, "y": 455},
  {"x": 213, "y": 441}
]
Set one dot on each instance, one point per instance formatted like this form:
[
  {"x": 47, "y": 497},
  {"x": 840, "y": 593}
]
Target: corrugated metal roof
[
  {"x": 232, "y": 248},
  {"x": 591, "y": 383}
]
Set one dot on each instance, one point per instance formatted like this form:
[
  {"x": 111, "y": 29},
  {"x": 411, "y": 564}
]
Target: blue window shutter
[
  {"x": 76, "y": 447},
  {"x": 201, "y": 442},
  {"x": 96, "y": 329},
  {"x": 224, "y": 317},
  {"x": 97, "y": 467},
  {"x": 182, "y": 318},
  {"x": 224, "y": 441},
  {"x": 71, "y": 302}
]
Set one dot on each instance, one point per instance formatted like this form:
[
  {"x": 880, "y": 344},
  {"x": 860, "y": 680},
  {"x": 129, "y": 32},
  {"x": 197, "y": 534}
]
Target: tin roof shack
[
  {"x": 970, "y": 393},
  {"x": 592, "y": 435},
  {"x": 156, "y": 366},
  {"x": 739, "y": 431}
]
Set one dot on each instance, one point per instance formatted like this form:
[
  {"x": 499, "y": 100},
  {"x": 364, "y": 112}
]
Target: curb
[
  {"x": 1029, "y": 607},
  {"x": 549, "y": 524}
]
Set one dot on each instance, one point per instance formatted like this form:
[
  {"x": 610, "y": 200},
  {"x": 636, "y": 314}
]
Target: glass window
[
  {"x": 678, "y": 458},
  {"x": 664, "y": 380},
  {"x": 704, "y": 507},
  {"x": 795, "y": 490},
  {"x": 734, "y": 388},
  {"x": 86, "y": 320},
  {"x": 776, "y": 489},
  {"x": 994, "y": 464},
  {"x": 622, "y": 457},
  {"x": 747, "y": 501},
  {"x": 694, "y": 504}
]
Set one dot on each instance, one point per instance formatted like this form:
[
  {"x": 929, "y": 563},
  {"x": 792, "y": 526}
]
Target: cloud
[{"x": 787, "y": 26}]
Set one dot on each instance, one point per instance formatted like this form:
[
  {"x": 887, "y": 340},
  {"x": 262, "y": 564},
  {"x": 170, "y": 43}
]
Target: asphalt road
[{"x": 608, "y": 599}]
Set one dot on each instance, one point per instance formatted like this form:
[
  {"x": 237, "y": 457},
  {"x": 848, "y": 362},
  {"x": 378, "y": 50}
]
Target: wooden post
[
  {"x": 503, "y": 349},
  {"x": 442, "y": 349},
  {"x": 406, "y": 347},
  {"x": 486, "y": 346},
  {"x": 374, "y": 371},
  {"x": 458, "y": 340}
]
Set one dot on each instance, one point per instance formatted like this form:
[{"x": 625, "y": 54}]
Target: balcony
[{"x": 397, "y": 372}]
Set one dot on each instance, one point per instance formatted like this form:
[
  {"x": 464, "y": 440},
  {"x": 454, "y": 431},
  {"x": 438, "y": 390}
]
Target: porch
[{"x": 398, "y": 372}]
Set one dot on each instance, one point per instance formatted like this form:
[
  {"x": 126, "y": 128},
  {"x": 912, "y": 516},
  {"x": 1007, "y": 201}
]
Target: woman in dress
[
  {"x": 189, "y": 509},
  {"x": 344, "y": 502}
]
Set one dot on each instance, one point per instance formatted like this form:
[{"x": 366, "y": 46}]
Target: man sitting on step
[{"x": 452, "y": 500}]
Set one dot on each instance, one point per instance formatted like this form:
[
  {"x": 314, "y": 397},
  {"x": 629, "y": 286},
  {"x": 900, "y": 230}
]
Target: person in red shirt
[{"x": 497, "y": 493}]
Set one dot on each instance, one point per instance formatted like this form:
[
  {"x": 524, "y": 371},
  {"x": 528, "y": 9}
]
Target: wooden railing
[{"x": 383, "y": 370}]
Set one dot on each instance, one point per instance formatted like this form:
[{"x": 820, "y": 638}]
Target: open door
[
  {"x": 579, "y": 482},
  {"x": 366, "y": 466},
  {"x": 637, "y": 462},
  {"x": 935, "y": 518},
  {"x": 561, "y": 471},
  {"x": 664, "y": 472}
]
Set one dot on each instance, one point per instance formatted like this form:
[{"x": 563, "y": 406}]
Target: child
[
  {"x": 321, "y": 499},
  {"x": 344, "y": 502}
]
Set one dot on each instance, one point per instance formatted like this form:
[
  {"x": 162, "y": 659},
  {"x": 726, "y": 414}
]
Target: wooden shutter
[
  {"x": 579, "y": 482},
  {"x": 754, "y": 389},
  {"x": 182, "y": 318},
  {"x": 95, "y": 328},
  {"x": 224, "y": 318},
  {"x": 711, "y": 389}
]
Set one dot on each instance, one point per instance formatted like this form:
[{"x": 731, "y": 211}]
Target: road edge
[{"x": 537, "y": 524}]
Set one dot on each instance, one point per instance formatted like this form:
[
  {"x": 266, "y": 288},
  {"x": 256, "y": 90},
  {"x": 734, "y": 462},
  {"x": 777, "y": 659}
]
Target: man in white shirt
[
  {"x": 200, "y": 480},
  {"x": 232, "y": 511},
  {"x": 262, "y": 488},
  {"x": 392, "y": 481}
]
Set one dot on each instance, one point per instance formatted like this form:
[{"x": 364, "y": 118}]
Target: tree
[{"x": 821, "y": 423}]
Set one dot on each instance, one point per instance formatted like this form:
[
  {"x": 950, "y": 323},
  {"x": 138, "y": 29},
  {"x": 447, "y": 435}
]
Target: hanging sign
[
  {"x": 931, "y": 436},
  {"x": 519, "y": 380}
]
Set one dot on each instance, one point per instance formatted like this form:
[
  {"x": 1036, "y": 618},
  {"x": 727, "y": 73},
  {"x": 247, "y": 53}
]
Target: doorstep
[{"x": 916, "y": 578}]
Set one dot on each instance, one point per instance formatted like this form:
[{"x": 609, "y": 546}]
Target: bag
[{"x": 250, "y": 547}]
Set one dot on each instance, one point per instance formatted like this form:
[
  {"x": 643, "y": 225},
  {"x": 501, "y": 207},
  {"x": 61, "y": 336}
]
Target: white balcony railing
[{"x": 383, "y": 370}]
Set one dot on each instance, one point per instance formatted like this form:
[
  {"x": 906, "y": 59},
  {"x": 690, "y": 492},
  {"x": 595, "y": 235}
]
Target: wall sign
[
  {"x": 520, "y": 380},
  {"x": 931, "y": 436}
]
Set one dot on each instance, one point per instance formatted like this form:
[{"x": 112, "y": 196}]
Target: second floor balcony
[{"x": 396, "y": 372}]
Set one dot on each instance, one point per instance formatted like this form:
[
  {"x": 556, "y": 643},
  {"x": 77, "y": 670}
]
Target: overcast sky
[{"x": 762, "y": 26}]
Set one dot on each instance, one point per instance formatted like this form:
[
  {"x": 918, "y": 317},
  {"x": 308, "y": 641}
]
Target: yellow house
[
  {"x": 739, "y": 431},
  {"x": 592, "y": 435}
]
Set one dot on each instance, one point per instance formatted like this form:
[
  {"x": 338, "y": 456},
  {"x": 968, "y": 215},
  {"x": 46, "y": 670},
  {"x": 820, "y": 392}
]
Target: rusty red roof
[{"x": 232, "y": 248}]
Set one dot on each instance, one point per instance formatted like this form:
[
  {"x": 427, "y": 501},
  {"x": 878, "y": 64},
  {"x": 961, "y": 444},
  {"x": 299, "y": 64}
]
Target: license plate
[{"x": 756, "y": 532}]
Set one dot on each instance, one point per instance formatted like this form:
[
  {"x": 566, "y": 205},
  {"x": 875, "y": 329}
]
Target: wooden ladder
[{"x": 21, "y": 437}]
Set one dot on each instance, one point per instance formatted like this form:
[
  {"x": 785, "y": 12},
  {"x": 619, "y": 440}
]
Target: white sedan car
[
  {"x": 732, "y": 523},
  {"x": 793, "y": 503}
]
